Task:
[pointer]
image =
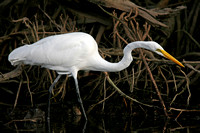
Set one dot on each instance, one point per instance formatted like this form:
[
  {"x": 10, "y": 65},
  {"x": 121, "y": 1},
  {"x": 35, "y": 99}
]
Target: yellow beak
[{"x": 167, "y": 55}]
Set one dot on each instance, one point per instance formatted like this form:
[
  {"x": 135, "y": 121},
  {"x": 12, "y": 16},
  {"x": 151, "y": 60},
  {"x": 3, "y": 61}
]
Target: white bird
[{"x": 68, "y": 53}]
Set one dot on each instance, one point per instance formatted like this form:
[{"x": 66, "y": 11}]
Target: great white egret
[{"x": 68, "y": 53}]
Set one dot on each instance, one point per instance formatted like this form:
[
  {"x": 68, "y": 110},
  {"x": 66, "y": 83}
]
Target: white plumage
[
  {"x": 59, "y": 52},
  {"x": 68, "y": 53}
]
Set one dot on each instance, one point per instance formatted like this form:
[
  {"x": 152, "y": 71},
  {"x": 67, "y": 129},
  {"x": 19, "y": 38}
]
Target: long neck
[{"x": 104, "y": 65}]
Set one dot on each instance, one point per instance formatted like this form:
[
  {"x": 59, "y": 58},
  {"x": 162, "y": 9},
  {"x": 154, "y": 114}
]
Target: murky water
[{"x": 105, "y": 124}]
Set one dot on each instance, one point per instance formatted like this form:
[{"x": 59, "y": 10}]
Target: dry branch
[
  {"x": 182, "y": 110},
  {"x": 123, "y": 94},
  {"x": 125, "y": 28},
  {"x": 127, "y": 6},
  {"x": 155, "y": 85},
  {"x": 15, "y": 73}
]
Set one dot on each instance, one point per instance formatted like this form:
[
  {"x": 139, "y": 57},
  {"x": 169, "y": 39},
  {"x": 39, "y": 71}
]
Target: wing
[{"x": 60, "y": 52}]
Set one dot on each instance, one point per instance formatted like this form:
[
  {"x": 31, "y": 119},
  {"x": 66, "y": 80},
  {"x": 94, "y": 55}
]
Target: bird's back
[{"x": 57, "y": 52}]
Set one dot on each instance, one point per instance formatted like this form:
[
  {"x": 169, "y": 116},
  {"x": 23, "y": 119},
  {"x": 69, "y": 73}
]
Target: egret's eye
[{"x": 158, "y": 50}]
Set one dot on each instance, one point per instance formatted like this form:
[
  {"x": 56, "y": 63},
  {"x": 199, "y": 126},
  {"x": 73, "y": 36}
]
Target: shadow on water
[
  {"x": 108, "y": 124},
  {"x": 114, "y": 124}
]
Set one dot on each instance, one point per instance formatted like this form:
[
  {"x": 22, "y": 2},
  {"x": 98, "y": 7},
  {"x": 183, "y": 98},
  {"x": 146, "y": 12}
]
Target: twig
[
  {"x": 181, "y": 111},
  {"x": 164, "y": 79},
  {"x": 58, "y": 26},
  {"x": 155, "y": 85},
  {"x": 16, "y": 99},
  {"x": 29, "y": 90},
  {"x": 23, "y": 120},
  {"x": 133, "y": 81},
  {"x": 122, "y": 93},
  {"x": 116, "y": 18},
  {"x": 147, "y": 29},
  {"x": 15, "y": 73},
  {"x": 190, "y": 36},
  {"x": 92, "y": 106},
  {"x": 104, "y": 95},
  {"x": 188, "y": 75},
  {"x": 188, "y": 82},
  {"x": 191, "y": 67},
  {"x": 176, "y": 96},
  {"x": 175, "y": 86}
]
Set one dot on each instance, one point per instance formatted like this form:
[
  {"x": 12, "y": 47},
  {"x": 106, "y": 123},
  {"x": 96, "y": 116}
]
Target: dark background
[{"x": 25, "y": 22}]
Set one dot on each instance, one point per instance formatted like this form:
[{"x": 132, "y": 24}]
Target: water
[{"x": 106, "y": 124}]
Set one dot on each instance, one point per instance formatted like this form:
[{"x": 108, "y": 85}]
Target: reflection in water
[
  {"x": 103, "y": 124},
  {"x": 119, "y": 125}
]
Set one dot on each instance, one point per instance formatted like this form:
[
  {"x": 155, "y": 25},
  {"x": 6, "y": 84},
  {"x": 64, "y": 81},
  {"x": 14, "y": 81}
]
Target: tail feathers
[{"x": 18, "y": 55}]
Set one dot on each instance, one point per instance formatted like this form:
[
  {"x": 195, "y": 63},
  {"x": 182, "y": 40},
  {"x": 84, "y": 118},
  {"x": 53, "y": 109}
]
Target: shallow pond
[{"x": 61, "y": 123}]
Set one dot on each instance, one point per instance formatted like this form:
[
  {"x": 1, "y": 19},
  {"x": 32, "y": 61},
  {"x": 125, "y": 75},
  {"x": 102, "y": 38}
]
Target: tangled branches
[{"x": 148, "y": 80}]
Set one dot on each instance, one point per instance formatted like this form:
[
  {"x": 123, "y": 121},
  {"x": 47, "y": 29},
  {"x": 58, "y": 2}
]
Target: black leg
[
  {"x": 79, "y": 98},
  {"x": 50, "y": 91}
]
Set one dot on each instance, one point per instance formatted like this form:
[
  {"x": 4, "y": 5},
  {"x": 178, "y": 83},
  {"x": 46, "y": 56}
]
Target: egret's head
[{"x": 159, "y": 50}]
